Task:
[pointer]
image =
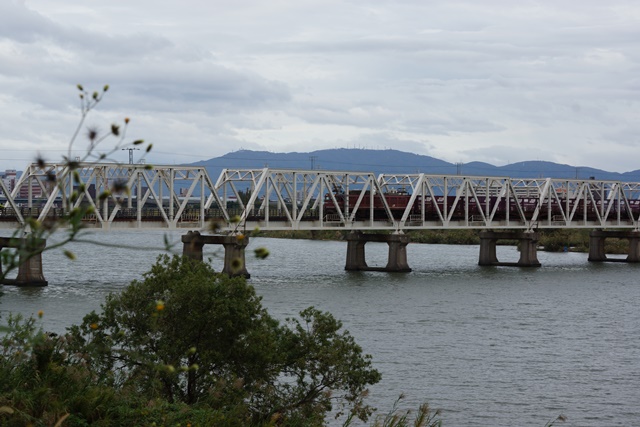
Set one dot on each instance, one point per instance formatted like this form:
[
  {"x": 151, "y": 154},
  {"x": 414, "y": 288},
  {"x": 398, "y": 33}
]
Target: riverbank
[{"x": 576, "y": 240}]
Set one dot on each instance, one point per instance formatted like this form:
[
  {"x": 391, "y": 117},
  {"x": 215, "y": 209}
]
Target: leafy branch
[{"x": 28, "y": 238}]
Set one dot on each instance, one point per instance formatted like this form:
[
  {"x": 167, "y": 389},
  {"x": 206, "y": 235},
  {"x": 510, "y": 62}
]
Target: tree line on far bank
[{"x": 560, "y": 240}]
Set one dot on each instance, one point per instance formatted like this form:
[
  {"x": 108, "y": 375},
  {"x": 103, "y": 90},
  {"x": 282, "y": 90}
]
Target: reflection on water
[{"x": 498, "y": 346}]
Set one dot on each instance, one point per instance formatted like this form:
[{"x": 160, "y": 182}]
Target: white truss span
[{"x": 174, "y": 197}]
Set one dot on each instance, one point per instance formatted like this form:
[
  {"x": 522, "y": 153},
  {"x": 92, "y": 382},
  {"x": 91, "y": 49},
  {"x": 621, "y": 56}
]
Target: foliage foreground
[
  {"x": 29, "y": 238},
  {"x": 184, "y": 346}
]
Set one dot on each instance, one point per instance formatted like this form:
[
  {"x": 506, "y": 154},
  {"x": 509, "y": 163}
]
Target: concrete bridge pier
[
  {"x": 30, "y": 268},
  {"x": 234, "y": 251},
  {"x": 597, "y": 251},
  {"x": 397, "y": 261},
  {"x": 528, "y": 244}
]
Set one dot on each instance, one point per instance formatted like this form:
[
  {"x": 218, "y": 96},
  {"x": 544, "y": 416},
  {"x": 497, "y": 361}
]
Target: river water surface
[{"x": 499, "y": 346}]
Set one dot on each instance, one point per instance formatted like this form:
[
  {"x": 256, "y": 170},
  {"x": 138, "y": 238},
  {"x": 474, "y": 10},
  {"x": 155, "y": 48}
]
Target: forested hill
[{"x": 397, "y": 162}]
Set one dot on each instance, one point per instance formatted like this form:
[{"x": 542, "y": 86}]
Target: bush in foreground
[{"x": 186, "y": 345}]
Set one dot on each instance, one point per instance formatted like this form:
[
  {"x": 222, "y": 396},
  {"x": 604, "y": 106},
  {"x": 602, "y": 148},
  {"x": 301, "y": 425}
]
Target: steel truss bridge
[{"x": 240, "y": 200}]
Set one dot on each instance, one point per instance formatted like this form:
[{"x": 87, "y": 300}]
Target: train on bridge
[
  {"x": 476, "y": 207},
  {"x": 362, "y": 206}
]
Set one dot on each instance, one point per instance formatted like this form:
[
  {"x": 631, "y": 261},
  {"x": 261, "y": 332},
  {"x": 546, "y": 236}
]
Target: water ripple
[{"x": 488, "y": 345}]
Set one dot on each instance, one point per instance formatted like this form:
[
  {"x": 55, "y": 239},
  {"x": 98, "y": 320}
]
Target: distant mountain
[{"x": 397, "y": 162}]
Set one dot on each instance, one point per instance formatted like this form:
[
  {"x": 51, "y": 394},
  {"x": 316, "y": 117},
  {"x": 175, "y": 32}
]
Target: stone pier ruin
[
  {"x": 234, "y": 250},
  {"x": 397, "y": 261},
  {"x": 597, "y": 245},
  {"x": 527, "y": 242},
  {"x": 30, "y": 260}
]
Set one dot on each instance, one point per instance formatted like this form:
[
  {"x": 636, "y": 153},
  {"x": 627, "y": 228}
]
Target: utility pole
[
  {"x": 131, "y": 154},
  {"x": 313, "y": 161}
]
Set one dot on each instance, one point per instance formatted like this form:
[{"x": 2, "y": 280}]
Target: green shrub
[{"x": 186, "y": 334}]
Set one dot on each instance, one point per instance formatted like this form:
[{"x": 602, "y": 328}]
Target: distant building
[
  {"x": 36, "y": 191},
  {"x": 9, "y": 179}
]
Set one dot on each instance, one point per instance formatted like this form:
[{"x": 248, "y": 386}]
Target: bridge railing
[{"x": 298, "y": 199}]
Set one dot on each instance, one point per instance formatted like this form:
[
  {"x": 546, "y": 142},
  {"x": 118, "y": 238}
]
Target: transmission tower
[{"x": 131, "y": 154}]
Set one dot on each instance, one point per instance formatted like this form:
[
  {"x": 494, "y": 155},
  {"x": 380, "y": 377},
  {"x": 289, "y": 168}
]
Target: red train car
[
  {"x": 396, "y": 200},
  {"x": 434, "y": 207}
]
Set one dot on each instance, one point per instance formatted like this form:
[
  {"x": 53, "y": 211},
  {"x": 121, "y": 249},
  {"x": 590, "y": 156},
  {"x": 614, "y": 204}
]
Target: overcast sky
[{"x": 498, "y": 81}]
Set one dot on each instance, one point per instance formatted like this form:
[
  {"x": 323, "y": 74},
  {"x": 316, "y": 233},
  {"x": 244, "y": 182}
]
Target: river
[{"x": 499, "y": 346}]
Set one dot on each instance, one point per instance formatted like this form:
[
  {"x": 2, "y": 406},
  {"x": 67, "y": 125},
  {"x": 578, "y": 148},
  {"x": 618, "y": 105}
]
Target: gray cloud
[
  {"x": 26, "y": 26},
  {"x": 491, "y": 81}
]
